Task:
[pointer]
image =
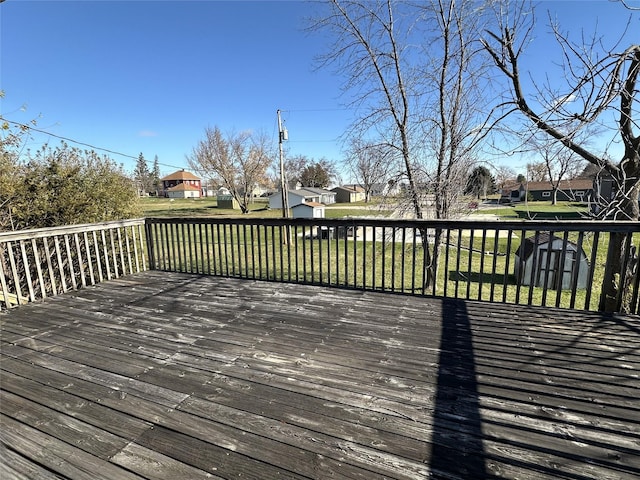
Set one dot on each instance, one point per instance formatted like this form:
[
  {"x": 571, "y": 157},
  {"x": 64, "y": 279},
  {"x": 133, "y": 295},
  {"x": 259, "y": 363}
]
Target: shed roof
[
  {"x": 309, "y": 204},
  {"x": 527, "y": 246}
]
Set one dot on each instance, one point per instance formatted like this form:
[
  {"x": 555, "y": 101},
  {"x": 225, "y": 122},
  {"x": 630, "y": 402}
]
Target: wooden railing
[
  {"x": 37, "y": 264},
  {"x": 547, "y": 263}
]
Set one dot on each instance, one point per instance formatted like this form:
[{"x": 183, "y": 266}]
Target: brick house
[{"x": 181, "y": 184}]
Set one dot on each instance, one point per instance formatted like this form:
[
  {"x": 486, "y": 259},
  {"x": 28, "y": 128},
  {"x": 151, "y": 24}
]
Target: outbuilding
[
  {"x": 543, "y": 256},
  {"x": 308, "y": 210}
]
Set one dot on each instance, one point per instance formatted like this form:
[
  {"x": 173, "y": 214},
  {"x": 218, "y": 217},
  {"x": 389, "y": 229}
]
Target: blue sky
[{"x": 149, "y": 76}]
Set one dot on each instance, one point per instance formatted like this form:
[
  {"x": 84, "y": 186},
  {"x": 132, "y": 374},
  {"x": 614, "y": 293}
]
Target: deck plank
[{"x": 159, "y": 375}]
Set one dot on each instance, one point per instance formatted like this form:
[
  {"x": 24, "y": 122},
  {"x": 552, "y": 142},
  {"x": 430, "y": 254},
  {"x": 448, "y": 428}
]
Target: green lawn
[
  {"x": 539, "y": 211},
  {"x": 208, "y": 207}
]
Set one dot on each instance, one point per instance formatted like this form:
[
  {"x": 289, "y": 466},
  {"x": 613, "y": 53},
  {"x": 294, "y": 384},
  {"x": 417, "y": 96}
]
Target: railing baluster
[
  {"x": 393, "y": 258},
  {"x": 447, "y": 251},
  {"x": 505, "y": 281},
  {"x": 36, "y": 254},
  {"x": 482, "y": 254},
  {"x": 3, "y": 284},
  {"x": 563, "y": 258},
  {"x": 123, "y": 265},
  {"x": 27, "y": 270},
  {"x": 402, "y": 259},
  {"x": 458, "y": 251},
  {"x": 282, "y": 239},
  {"x": 592, "y": 267},
  {"x": 575, "y": 271},
  {"x": 81, "y": 267},
  {"x": 549, "y": 253},
  {"x": 260, "y": 253},
  {"x": 470, "y": 262},
  {"x": 494, "y": 263},
  {"x": 114, "y": 254}
]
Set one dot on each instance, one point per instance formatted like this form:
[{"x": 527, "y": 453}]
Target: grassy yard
[
  {"x": 539, "y": 211},
  {"x": 208, "y": 207}
]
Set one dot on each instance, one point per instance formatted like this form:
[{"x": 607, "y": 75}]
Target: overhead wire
[{"x": 77, "y": 142}]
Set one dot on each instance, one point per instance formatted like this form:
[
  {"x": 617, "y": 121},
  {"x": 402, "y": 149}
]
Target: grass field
[
  {"x": 539, "y": 211},
  {"x": 208, "y": 207}
]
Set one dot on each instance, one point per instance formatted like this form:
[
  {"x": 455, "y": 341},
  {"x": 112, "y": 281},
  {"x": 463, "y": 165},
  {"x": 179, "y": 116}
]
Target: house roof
[
  {"x": 349, "y": 188},
  {"x": 182, "y": 187},
  {"x": 575, "y": 184},
  {"x": 315, "y": 191},
  {"x": 180, "y": 175}
]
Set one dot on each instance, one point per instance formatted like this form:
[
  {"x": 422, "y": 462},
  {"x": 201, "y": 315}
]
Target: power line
[{"x": 24, "y": 126}]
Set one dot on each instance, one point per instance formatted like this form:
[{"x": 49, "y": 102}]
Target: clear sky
[{"x": 149, "y": 76}]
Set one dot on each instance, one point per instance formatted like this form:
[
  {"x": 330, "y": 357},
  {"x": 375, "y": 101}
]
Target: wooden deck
[{"x": 176, "y": 376}]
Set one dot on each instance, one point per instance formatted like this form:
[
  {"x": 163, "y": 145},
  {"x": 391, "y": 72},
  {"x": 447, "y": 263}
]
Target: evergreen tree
[
  {"x": 142, "y": 176},
  {"x": 155, "y": 176},
  {"x": 480, "y": 183}
]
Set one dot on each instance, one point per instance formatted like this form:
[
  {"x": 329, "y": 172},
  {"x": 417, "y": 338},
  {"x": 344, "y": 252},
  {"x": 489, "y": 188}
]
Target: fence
[
  {"x": 37, "y": 264},
  {"x": 542, "y": 263},
  {"x": 545, "y": 263}
]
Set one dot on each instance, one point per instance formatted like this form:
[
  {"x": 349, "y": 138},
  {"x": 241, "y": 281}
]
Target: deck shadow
[{"x": 457, "y": 423}]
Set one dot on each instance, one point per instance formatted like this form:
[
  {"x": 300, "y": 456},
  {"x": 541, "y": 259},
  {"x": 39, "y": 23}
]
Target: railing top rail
[
  {"x": 547, "y": 225},
  {"x": 67, "y": 229}
]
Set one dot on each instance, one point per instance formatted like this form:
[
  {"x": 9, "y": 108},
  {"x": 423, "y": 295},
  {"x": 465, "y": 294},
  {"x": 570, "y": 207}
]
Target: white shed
[{"x": 544, "y": 255}]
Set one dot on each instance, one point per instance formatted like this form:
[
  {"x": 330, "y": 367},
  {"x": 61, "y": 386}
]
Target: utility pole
[{"x": 283, "y": 135}]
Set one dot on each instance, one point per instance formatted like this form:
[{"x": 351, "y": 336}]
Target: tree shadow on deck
[{"x": 457, "y": 447}]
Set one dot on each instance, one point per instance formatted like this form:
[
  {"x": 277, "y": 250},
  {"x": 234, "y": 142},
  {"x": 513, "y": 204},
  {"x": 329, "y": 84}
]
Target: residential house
[
  {"x": 181, "y": 184},
  {"x": 512, "y": 192},
  {"x": 577, "y": 189},
  {"x": 302, "y": 195},
  {"x": 349, "y": 194},
  {"x": 383, "y": 189}
]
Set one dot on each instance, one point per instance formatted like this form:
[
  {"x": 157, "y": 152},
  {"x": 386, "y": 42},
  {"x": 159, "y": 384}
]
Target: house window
[{"x": 546, "y": 194}]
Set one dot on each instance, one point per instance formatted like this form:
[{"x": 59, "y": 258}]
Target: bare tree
[
  {"x": 537, "y": 172},
  {"x": 415, "y": 73},
  {"x": 238, "y": 161},
  {"x": 371, "y": 164},
  {"x": 558, "y": 163},
  {"x": 504, "y": 175},
  {"x": 599, "y": 85}
]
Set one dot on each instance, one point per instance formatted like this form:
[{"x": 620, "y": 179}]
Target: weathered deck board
[{"x": 165, "y": 376}]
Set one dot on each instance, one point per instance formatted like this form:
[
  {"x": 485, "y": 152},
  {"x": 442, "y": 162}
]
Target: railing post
[{"x": 150, "y": 244}]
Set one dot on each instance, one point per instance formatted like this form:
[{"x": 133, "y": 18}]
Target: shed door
[{"x": 559, "y": 276}]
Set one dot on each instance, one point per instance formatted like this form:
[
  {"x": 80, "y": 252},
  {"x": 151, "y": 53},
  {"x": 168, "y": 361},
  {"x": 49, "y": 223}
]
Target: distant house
[
  {"x": 543, "y": 257},
  {"x": 181, "y": 184},
  {"x": 385, "y": 188},
  {"x": 349, "y": 194},
  {"x": 326, "y": 196},
  {"x": 308, "y": 210},
  {"x": 512, "y": 192},
  {"x": 576, "y": 190},
  {"x": 302, "y": 195},
  {"x": 182, "y": 190}
]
